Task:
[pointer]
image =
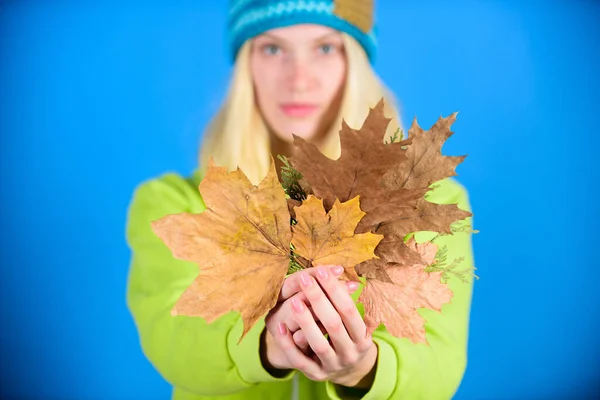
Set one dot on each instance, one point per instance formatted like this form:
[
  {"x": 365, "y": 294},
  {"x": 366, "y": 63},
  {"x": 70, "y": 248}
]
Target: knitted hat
[{"x": 249, "y": 18}]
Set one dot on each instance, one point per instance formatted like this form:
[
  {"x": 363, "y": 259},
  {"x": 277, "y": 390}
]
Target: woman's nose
[{"x": 300, "y": 77}]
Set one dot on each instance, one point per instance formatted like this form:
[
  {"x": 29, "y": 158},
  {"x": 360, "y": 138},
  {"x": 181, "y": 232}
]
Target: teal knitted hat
[{"x": 249, "y": 18}]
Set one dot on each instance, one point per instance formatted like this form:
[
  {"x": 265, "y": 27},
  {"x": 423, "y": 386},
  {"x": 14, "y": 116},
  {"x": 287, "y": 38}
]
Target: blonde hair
[{"x": 238, "y": 136}]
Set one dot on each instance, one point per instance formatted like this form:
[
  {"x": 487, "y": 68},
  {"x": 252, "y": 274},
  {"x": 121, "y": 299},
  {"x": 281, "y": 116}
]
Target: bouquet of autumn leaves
[{"x": 358, "y": 211}]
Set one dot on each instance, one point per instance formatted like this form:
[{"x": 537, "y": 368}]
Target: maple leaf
[
  {"x": 242, "y": 238},
  {"x": 423, "y": 216},
  {"x": 402, "y": 208},
  {"x": 424, "y": 163},
  {"x": 395, "y": 303},
  {"x": 365, "y": 158},
  {"x": 383, "y": 206},
  {"x": 327, "y": 238},
  {"x": 392, "y": 251}
]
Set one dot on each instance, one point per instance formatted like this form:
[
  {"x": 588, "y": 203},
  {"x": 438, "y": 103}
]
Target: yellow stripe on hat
[{"x": 358, "y": 12}]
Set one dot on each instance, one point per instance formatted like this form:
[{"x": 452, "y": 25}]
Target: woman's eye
[
  {"x": 271, "y": 49},
  {"x": 326, "y": 48}
]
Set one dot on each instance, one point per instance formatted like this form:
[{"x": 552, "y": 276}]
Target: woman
[{"x": 300, "y": 67}]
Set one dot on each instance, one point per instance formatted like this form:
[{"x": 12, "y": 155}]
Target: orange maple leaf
[
  {"x": 241, "y": 243},
  {"x": 329, "y": 239}
]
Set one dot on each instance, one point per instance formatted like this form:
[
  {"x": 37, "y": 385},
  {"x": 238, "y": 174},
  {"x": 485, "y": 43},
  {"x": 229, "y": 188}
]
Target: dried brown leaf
[
  {"x": 402, "y": 208},
  {"x": 327, "y": 238},
  {"x": 424, "y": 163},
  {"x": 363, "y": 161},
  {"x": 240, "y": 242},
  {"x": 396, "y": 304},
  {"x": 392, "y": 252},
  {"x": 425, "y": 216},
  {"x": 383, "y": 206}
]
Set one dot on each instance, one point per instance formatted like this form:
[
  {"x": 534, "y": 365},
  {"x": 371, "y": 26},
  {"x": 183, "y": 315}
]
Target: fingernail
[
  {"x": 338, "y": 269},
  {"x": 353, "y": 286},
  {"x": 306, "y": 281},
  {"x": 281, "y": 329},
  {"x": 322, "y": 272},
  {"x": 297, "y": 305}
]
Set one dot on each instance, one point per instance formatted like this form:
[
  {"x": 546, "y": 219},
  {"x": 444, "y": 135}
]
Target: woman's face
[{"x": 298, "y": 75}]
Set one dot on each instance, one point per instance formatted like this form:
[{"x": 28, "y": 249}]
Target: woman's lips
[{"x": 298, "y": 110}]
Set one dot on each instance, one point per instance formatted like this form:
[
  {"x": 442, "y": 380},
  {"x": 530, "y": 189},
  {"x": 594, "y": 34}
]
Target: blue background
[{"x": 97, "y": 96}]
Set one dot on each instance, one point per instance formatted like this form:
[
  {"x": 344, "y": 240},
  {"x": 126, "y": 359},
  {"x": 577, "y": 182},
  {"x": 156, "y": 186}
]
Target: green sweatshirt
[{"x": 203, "y": 361}]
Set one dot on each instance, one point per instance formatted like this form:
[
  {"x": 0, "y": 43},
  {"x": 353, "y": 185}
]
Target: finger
[
  {"x": 300, "y": 338},
  {"x": 296, "y": 358},
  {"x": 290, "y": 319},
  {"x": 344, "y": 306},
  {"x": 291, "y": 284},
  {"x": 352, "y": 286},
  {"x": 318, "y": 343},
  {"x": 326, "y": 312}
]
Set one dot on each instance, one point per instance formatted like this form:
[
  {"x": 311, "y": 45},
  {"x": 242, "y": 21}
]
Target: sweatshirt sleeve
[
  {"x": 417, "y": 371},
  {"x": 195, "y": 356}
]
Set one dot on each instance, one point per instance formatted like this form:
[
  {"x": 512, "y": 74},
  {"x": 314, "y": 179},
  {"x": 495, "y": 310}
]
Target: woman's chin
[{"x": 304, "y": 131}]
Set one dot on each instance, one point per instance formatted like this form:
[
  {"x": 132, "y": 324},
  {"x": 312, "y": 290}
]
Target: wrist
[
  {"x": 364, "y": 374},
  {"x": 266, "y": 348}
]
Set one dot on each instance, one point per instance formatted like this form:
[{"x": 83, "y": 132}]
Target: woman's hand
[
  {"x": 273, "y": 356},
  {"x": 292, "y": 286},
  {"x": 348, "y": 358}
]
